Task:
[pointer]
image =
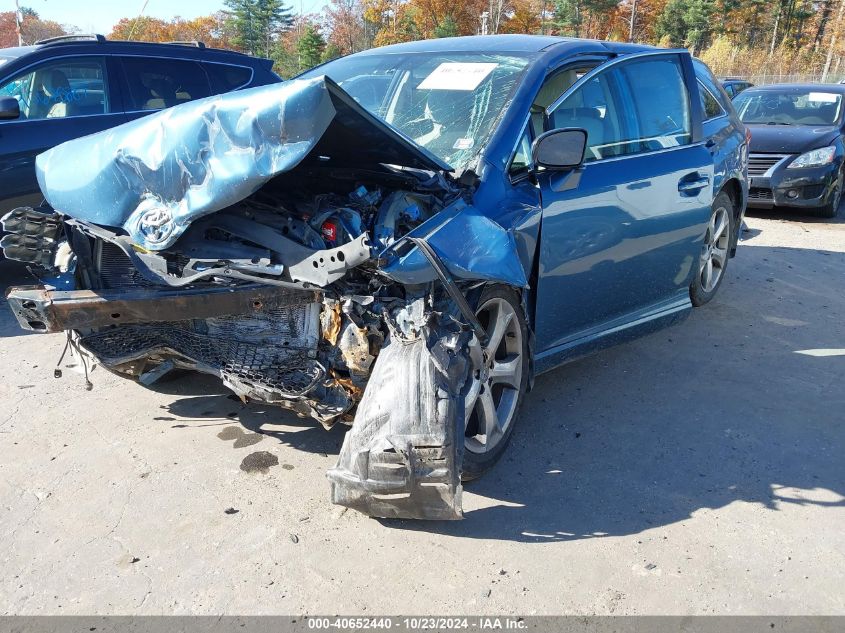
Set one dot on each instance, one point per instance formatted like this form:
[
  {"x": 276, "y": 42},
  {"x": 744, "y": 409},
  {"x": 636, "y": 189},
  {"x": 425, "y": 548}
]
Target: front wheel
[
  {"x": 713, "y": 258},
  {"x": 497, "y": 382},
  {"x": 831, "y": 208}
]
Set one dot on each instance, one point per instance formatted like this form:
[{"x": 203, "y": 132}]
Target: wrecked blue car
[{"x": 399, "y": 240}]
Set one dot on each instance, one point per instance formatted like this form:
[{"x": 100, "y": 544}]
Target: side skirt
[{"x": 613, "y": 333}]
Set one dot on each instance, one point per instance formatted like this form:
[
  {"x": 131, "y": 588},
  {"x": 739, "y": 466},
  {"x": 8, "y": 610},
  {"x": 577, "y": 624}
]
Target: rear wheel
[
  {"x": 498, "y": 380},
  {"x": 713, "y": 258}
]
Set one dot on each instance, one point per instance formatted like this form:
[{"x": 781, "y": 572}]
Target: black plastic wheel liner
[{"x": 402, "y": 457}]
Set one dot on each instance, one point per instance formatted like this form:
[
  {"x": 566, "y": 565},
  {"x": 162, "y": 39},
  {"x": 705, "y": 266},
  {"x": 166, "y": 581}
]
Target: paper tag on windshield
[
  {"x": 457, "y": 76},
  {"x": 823, "y": 97},
  {"x": 463, "y": 143}
]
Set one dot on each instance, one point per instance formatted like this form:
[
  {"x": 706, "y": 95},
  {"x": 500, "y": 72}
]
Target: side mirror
[
  {"x": 560, "y": 149},
  {"x": 9, "y": 108}
]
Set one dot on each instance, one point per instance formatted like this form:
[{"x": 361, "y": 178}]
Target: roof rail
[
  {"x": 76, "y": 37},
  {"x": 195, "y": 43}
]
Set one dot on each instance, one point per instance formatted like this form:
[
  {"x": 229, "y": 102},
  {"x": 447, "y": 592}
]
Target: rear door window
[
  {"x": 61, "y": 89},
  {"x": 705, "y": 76},
  {"x": 225, "y": 77},
  {"x": 157, "y": 83},
  {"x": 709, "y": 105}
]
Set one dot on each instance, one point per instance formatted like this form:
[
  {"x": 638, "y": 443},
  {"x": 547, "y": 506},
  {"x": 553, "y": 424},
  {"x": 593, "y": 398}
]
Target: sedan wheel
[{"x": 497, "y": 380}]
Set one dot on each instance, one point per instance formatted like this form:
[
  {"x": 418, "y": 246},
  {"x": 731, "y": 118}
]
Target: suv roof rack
[
  {"x": 76, "y": 37},
  {"x": 195, "y": 43}
]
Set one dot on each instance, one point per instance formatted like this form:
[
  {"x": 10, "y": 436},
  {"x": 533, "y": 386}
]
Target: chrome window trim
[
  {"x": 662, "y": 150},
  {"x": 62, "y": 118}
]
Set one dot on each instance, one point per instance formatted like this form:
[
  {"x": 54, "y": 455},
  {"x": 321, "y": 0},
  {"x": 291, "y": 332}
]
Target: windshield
[
  {"x": 789, "y": 107},
  {"x": 447, "y": 102}
]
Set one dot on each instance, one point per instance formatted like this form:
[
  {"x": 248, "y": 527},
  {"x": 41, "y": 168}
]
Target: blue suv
[
  {"x": 400, "y": 239},
  {"x": 71, "y": 86}
]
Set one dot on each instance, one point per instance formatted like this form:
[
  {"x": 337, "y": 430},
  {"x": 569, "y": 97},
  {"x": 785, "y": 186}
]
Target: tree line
[{"x": 748, "y": 37}]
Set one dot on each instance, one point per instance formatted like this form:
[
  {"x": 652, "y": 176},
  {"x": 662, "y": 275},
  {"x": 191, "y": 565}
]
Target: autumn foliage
[{"x": 764, "y": 39}]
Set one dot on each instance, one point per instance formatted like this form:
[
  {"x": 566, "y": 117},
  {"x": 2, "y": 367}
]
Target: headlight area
[
  {"x": 808, "y": 181},
  {"x": 814, "y": 158}
]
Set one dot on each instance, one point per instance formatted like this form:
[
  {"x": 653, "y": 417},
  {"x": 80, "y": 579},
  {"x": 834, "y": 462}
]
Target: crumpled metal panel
[
  {"x": 471, "y": 245},
  {"x": 156, "y": 174}
]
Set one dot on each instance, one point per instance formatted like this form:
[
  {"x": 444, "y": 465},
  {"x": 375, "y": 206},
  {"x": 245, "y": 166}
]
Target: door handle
[{"x": 693, "y": 185}]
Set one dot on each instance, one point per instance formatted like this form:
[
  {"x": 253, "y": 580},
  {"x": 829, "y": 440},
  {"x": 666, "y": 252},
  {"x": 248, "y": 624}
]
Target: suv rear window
[
  {"x": 225, "y": 77},
  {"x": 161, "y": 83}
]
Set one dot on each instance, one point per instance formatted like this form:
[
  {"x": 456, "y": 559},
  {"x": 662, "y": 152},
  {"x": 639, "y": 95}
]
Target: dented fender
[{"x": 472, "y": 245}]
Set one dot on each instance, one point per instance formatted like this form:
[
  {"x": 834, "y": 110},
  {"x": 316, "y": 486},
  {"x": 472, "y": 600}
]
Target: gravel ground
[{"x": 695, "y": 471}]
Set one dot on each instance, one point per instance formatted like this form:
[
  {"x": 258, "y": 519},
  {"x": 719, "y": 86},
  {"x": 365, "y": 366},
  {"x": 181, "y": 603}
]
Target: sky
[{"x": 98, "y": 16}]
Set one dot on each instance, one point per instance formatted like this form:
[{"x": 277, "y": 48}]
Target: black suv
[{"x": 71, "y": 86}]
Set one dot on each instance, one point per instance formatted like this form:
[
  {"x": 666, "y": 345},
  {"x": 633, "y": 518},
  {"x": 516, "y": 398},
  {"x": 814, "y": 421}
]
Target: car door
[
  {"x": 60, "y": 100},
  {"x": 621, "y": 235}
]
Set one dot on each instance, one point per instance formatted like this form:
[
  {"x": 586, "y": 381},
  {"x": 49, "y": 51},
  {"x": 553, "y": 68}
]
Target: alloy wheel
[
  {"x": 496, "y": 379},
  {"x": 714, "y": 252}
]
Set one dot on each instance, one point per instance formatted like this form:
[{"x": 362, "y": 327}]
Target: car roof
[
  {"x": 85, "y": 43},
  {"x": 17, "y": 51},
  {"x": 506, "y": 43},
  {"x": 839, "y": 89}
]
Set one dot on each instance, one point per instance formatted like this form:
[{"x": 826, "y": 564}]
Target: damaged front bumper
[{"x": 261, "y": 341}]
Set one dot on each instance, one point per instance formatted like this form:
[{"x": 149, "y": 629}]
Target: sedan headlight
[{"x": 814, "y": 158}]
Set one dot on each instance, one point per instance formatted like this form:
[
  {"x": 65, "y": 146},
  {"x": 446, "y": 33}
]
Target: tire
[
  {"x": 715, "y": 251},
  {"x": 498, "y": 380},
  {"x": 831, "y": 208}
]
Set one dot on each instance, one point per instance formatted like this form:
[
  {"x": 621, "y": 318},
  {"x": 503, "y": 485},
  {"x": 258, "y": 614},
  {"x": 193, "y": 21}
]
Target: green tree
[
  {"x": 584, "y": 18},
  {"x": 332, "y": 51},
  {"x": 447, "y": 28},
  {"x": 257, "y": 23},
  {"x": 687, "y": 22},
  {"x": 568, "y": 16},
  {"x": 310, "y": 47}
]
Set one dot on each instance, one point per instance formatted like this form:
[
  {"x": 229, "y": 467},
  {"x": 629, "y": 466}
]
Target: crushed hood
[{"x": 154, "y": 176}]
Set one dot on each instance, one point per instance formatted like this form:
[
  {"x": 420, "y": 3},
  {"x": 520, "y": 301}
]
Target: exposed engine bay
[
  {"x": 306, "y": 350},
  {"x": 334, "y": 291}
]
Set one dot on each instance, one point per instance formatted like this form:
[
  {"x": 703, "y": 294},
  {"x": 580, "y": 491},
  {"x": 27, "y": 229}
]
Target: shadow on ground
[
  {"x": 12, "y": 274},
  {"x": 782, "y": 213},
  {"x": 205, "y": 401}
]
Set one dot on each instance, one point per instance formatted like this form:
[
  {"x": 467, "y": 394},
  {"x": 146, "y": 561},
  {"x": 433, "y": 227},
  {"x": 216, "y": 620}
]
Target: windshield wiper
[{"x": 777, "y": 123}]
